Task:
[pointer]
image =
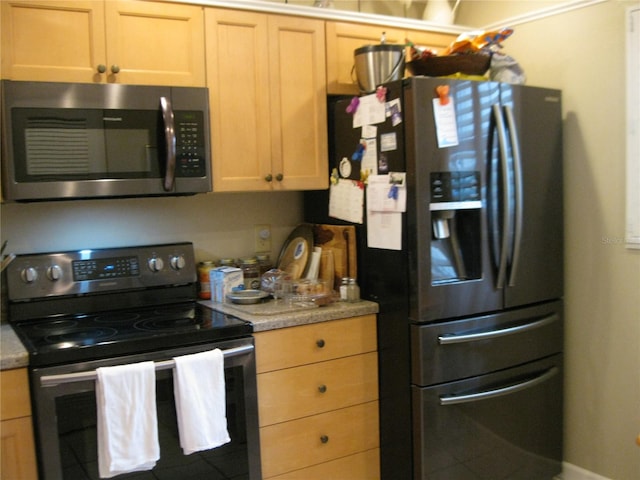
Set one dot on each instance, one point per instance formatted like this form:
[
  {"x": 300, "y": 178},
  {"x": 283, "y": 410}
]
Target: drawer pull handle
[
  {"x": 320, "y": 343},
  {"x": 324, "y": 439},
  {"x": 322, "y": 388}
]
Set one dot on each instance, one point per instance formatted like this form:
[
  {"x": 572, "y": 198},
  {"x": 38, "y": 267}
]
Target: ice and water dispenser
[{"x": 455, "y": 207}]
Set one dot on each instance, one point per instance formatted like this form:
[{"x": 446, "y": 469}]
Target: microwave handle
[{"x": 170, "y": 138}]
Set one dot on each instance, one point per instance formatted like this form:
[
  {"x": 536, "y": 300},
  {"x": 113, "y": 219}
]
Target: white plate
[{"x": 247, "y": 297}]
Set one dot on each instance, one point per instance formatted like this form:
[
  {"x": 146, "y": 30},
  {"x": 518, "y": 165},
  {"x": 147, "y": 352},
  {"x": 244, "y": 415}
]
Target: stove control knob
[
  {"x": 155, "y": 264},
  {"x": 178, "y": 262},
  {"x": 54, "y": 273},
  {"x": 29, "y": 275}
]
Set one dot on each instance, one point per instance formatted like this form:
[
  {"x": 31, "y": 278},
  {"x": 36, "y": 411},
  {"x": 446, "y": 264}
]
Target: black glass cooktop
[{"x": 74, "y": 338}]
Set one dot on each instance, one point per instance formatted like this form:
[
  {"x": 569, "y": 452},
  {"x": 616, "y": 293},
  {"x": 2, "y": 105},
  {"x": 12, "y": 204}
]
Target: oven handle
[{"x": 53, "y": 380}]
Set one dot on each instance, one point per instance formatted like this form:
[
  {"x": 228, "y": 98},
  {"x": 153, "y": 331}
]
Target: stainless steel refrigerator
[{"x": 470, "y": 328}]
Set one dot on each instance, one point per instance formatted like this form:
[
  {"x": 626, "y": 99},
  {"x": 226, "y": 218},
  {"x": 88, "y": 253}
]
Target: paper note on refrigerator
[
  {"x": 371, "y": 111},
  {"x": 385, "y": 194},
  {"x": 384, "y": 230},
  {"x": 346, "y": 201},
  {"x": 446, "y": 126},
  {"x": 386, "y": 200}
]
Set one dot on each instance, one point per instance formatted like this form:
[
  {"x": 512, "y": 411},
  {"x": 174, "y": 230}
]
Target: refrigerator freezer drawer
[
  {"x": 502, "y": 425},
  {"x": 447, "y": 351}
]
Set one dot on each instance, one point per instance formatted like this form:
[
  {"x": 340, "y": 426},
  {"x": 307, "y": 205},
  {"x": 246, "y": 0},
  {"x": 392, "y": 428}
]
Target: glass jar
[
  {"x": 353, "y": 291},
  {"x": 264, "y": 262},
  {"x": 228, "y": 262},
  {"x": 344, "y": 284},
  {"x": 251, "y": 272}
]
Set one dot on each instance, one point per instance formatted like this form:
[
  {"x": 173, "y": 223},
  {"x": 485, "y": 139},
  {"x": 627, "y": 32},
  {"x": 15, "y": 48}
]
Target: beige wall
[
  {"x": 583, "y": 53},
  {"x": 219, "y": 224}
]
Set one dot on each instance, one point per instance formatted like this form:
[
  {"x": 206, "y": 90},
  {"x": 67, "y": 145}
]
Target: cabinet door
[
  {"x": 298, "y": 103},
  {"x": 18, "y": 459},
  {"x": 18, "y": 449},
  {"x": 155, "y": 43},
  {"x": 53, "y": 40},
  {"x": 316, "y": 342},
  {"x": 320, "y": 438},
  {"x": 361, "y": 466},
  {"x": 342, "y": 40},
  {"x": 434, "y": 40},
  {"x": 238, "y": 76},
  {"x": 320, "y": 387}
]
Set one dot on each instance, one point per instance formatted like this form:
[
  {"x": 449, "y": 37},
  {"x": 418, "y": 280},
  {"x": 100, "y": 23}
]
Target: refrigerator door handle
[
  {"x": 498, "y": 392},
  {"x": 506, "y": 195},
  {"x": 517, "y": 180},
  {"x": 453, "y": 338}
]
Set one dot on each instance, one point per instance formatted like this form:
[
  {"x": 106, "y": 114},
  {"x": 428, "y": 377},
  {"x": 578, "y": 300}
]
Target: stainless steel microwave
[{"x": 64, "y": 141}]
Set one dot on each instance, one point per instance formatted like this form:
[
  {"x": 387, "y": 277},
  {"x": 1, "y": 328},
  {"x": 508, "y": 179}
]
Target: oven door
[{"x": 65, "y": 418}]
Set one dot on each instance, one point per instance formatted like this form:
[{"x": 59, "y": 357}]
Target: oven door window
[
  {"x": 77, "y": 436},
  {"x": 87, "y": 144}
]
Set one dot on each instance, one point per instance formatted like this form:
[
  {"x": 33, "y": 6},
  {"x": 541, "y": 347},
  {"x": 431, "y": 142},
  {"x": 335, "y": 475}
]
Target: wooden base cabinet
[
  {"x": 318, "y": 400},
  {"x": 17, "y": 448},
  {"x": 267, "y": 86},
  {"x": 114, "y": 41}
]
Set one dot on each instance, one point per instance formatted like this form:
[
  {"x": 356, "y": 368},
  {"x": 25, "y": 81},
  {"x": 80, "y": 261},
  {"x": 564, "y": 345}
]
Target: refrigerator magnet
[{"x": 345, "y": 167}]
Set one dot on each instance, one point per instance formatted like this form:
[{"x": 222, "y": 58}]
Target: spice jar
[
  {"x": 264, "y": 262},
  {"x": 353, "y": 291},
  {"x": 251, "y": 271},
  {"x": 343, "y": 289},
  {"x": 204, "y": 269}
]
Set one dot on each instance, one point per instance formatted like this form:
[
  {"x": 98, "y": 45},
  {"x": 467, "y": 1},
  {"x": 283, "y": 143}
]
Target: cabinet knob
[
  {"x": 320, "y": 343},
  {"x": 322, "y": 388},
  {"x": 269, "y": 177},
  {"x": 102, "y": 68},
  {"x": 324, "y": 438},
  {"x": 279, "y": 177},
  {"x": 115, "y": 69}
]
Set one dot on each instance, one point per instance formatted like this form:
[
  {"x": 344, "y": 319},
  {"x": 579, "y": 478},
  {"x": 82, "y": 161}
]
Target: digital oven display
[{"x": 104, "y": 268}]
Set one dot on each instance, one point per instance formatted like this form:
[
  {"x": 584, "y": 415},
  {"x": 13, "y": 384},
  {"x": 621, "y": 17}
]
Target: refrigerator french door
[
  {"x": 480, "y": 261},
  {"x": 489, "y": 208}
]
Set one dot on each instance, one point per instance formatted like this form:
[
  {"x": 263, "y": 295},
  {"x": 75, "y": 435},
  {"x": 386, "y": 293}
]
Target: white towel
[
  {"x": 127, "y": 419},
  {"x": 200, "y": 401}
]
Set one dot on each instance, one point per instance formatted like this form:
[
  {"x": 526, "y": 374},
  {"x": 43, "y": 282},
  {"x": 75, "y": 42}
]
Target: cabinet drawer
[
  {"x": 318, "y": 342},
  {"x": 313, "y": 440},
  {"x": 14, "y": 394},
  {"x": 316, "y": 388},
  {"x": 361, "y": 466}
]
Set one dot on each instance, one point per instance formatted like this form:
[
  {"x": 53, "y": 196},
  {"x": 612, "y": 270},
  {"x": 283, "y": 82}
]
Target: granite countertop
[
  {"x": 269, "y": 315},
  {"x": 12, "y": 353},
  {"x": 274, "y": 314}
]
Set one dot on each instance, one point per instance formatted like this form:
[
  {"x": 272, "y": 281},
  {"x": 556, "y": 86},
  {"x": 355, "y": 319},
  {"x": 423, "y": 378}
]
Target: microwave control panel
[{"x": 190, "y": 147}]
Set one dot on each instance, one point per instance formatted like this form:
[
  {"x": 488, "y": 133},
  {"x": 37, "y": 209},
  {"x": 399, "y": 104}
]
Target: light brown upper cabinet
[
  {"x": 434, "y": 40},
  {"x": 119, "y": 41},
  {"x": 267, "y": 88},
  {"x": 343, "y": 38}
]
